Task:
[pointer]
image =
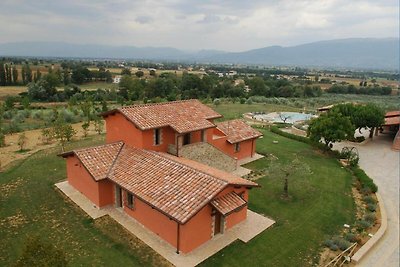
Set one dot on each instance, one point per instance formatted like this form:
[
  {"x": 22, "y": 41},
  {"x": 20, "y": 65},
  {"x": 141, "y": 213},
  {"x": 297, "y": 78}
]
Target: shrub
[
  {"x": 363, "y": 224},
  {"x": 8, "y": 115},
  {"x": 47, "y": 136},
  {"x": 370, "y": 217},
  {"x": 350, "y": 237},
  {"x": 19, "y": 118},
  {"x": 364, "y": 179},
  {"x": 371, "y": 207},
  {"x": 25, "y": 113},
  {"x": 343, "y": 244},
  {"x": 328, "y": 243},
  {"x": 334, "y": 247},
  {"x": 242, "y": 100},
  {"x": 369, "y": 200},
  {"x": 37, "y": 115},
  {"x": 22, "y": 139},
  {"x": 67, "y": 115},
  {"x": 366, "y": 191},
  {"x": 217, "y": 102},
  {"x": 249, "y": 101},
  {"x": 13, "y": 127},
  {"x": 331, "y": 244}
]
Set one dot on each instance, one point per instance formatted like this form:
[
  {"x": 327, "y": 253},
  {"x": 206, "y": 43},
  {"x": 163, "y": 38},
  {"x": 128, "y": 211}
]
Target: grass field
[
  {"x": 321, "y": 204},
  {"x": 11, "y": 91}
]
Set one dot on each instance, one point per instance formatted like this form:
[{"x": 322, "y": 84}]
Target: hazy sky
[{"x": 232, "y": 25}]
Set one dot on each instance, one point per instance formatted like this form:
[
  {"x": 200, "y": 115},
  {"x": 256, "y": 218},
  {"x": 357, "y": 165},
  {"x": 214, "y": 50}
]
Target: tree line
[{"x": 361, "y": 90}]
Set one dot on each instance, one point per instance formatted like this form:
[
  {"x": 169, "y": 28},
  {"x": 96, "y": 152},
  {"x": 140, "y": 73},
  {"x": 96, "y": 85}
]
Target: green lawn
[
  {"x": 30, "y": 204},
  {"x": 320, "y": 205}
]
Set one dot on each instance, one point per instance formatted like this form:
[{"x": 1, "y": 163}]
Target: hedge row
[
  {"x": 365, "y": 180},
  {"x": 303, "y": 139}
]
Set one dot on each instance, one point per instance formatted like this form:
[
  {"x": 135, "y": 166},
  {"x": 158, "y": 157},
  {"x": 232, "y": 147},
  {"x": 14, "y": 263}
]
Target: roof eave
[{"x": 245, "y": 139}]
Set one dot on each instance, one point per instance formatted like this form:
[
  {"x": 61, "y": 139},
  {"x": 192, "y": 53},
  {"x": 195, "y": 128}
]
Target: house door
[
  {"x": 217, "y": 223},
  {"x": 186, "y": 139},
  {"x": 118, "y": 196}
]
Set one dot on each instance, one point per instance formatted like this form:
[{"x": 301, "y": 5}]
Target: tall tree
[
  {"x": 331, "y": 127},
  {"x": 8, "y": 74},
  {"x": 15, "y": 75},
  {"x": 2, "y": 74}
]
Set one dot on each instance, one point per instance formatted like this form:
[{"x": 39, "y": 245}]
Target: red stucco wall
[
  {"x": 240, "y": 215},
  {"x": 167, "y": 137},
  {"x": 100, "y": 193},
  {"x": 119, "y": 128},
  {"x": 152, "y": 219},
  {"x": 247, "y": 148},
  {"x": 197, "y": 230}
]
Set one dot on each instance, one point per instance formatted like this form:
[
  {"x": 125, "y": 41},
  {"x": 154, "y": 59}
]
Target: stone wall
[{"x": 209, "y": 155}]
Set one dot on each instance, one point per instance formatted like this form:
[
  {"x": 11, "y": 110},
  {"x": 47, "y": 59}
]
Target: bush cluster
[
  {"x": 337, "y": 242},
  {"x": 365, "y": 180},
  {"x": 302, "y": 139}
]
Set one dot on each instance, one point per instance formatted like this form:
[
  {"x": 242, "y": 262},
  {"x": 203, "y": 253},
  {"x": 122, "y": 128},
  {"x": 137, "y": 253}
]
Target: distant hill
[
  {"x": 360, "y": 53},
  {"x": 363, "y": 53}
]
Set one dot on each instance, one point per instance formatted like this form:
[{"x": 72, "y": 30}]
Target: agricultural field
[{"x": 319, "y": 205}]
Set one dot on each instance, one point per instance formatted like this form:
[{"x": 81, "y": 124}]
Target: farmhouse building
[{"x": 141, "y": 170}]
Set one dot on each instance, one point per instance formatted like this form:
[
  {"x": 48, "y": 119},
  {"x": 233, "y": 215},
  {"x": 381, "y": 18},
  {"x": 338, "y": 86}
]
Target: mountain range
[{"x": 357, "y": 53}]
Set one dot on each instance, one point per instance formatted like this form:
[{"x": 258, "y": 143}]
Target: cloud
[
  {"x": 144, "y": 19},
  {"x": 232, "y": 25}
]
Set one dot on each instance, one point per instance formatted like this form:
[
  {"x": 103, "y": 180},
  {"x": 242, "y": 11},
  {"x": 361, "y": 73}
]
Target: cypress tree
[
  {"x": 15, "y": 75},
  {"x": 2, "y": 74}
]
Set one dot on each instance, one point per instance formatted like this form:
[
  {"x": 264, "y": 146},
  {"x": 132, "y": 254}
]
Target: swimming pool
[{"x": 290, "y": 117}]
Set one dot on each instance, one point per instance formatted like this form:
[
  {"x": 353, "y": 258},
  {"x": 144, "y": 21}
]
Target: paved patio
[
  {"x": 241, "y": 171},
  {"x": 245, "y": 231}
]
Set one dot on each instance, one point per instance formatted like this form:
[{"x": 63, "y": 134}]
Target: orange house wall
[
  {"x": 240, "y": 215},
  {"x": 119, "y": 128},
  {"x": 197, "y": 230},
  {"x": 167, "y": 137},
  {"x": 152, "y": 219},
  {"x": 247, "y": 148},
  {"x": 100, "y": 193}
]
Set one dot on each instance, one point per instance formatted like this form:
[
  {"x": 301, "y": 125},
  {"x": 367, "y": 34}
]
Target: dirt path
[{"x": 10, "y": 153}]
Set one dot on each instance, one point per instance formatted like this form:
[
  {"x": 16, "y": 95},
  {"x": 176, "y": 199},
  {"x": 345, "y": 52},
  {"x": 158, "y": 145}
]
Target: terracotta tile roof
[
  {"x": 98, "y": 160},
  {"x": 182, "y": 116},
  {"x": 394, "y": 113},
  {"x": 228, "y": 203},
  {"x": 227, "y": 177},
  {"x": 173, "y": 188},
  {"x": 392, "y": 121},
  {"x": 237, "y": 131}
]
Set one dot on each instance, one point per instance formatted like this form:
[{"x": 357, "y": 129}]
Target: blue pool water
[{"x": 292, "y": 117}]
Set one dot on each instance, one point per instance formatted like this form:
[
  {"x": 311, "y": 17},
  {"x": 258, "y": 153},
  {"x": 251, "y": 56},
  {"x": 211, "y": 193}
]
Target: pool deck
[{"x": 293, "y": 117}]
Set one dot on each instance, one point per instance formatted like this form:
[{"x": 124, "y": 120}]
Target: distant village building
[{"x": 117, "y": 79}]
